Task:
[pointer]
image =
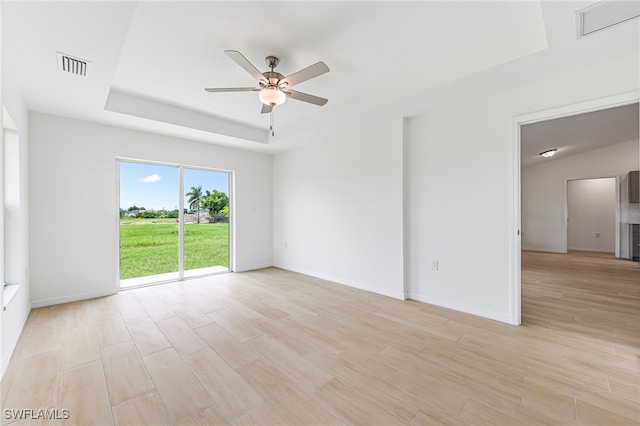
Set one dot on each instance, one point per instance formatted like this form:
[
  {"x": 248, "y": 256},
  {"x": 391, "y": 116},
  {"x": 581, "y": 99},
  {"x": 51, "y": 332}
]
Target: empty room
[{"x": 315, "y": 213}]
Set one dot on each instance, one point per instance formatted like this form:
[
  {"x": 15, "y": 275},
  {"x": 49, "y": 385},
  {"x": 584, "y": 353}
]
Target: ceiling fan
[{"x": 274, "y": 87}]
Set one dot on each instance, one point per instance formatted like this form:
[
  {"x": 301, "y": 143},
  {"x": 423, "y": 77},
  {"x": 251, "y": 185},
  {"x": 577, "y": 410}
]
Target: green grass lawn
[{"x": 149, "y": 247}]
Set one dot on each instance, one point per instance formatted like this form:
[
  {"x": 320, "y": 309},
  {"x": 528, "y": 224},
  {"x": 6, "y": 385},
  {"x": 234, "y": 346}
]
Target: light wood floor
[{"x": 274, "y": 347}]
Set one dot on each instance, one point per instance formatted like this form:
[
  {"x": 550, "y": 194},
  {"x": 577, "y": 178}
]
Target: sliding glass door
[
  {"x": 206, "y": 224},
  {"x": 174, "y": 222},
  {"x": 149, "y": 198}
]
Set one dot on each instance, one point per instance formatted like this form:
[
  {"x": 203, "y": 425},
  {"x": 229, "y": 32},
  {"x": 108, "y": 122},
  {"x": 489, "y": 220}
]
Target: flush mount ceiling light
[{"x": 549, "y": 153}]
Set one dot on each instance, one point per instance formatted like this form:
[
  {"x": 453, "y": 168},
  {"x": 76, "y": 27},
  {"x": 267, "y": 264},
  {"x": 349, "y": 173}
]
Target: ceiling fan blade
[
  {"x": 305, "y": 74},
  {"x": 266, "y": 109},
  {"x": 305, "y": 97},
  {"x": 244, "y": 63},
  {"x": 233, "y": 89}
]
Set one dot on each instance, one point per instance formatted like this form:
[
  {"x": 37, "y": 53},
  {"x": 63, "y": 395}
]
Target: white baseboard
[
  {"x": 551, "y": 250},
  {"x": 72, "y": 298},
  {"x": 253, "y": 267},
  {"x": 544, "y": 249},
  {"x": 596, "y": 250},
  {"x": 462, "y": 308},
  {"x": 349, "y": 283},
  {"x": 13, "y": 343}
]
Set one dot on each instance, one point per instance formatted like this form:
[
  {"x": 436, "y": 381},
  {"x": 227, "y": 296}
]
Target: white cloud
[{"x": 150, "y": 179}]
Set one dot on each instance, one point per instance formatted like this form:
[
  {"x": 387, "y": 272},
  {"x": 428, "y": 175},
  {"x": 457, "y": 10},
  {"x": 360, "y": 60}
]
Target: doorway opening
[
  {"x": 540, "y": 201},
  {"x": 173, "y": 222},
  {"x": 593, "y": 218}
]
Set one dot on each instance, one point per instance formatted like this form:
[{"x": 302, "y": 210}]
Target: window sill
[{"x": 10, "y": 290}]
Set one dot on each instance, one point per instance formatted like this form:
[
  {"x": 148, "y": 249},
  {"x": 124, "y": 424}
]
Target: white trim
[
  {"x": 515, "y": 287},
  {"x": 169, "y": 164},
  {"x": 543, "y": 250},
  {"x": 622, "y": 99},
  {"x": 590, "y": 249},
  {"x": 565, "y": 216},
  {"x": 253, "y": 267},
  {"x": 116, "y": 244},
  {"x": 7, "y": 120},
  {"x": 349, "y": 283},
  {"x": 73, "y": 298},
  {"x": 462, "y": 308},
  {"x": 176, "y": 280},
  {"x": 9, "y": 293},
  {"x": 14, "y": 342},
  {"x": 515, "y": 232},
  {"x": 232, "y": 221},
  {"x": 181, "y": 222},
  {"x": 618, "y": 237},
  {"x": 406, "y": 262}
]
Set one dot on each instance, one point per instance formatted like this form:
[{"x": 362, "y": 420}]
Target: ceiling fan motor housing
[
  {"x": 272, "y": 61},
  {"x": 272, "y": 77}
]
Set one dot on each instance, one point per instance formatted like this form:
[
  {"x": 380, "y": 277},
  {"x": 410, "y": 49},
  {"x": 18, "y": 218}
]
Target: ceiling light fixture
[
  {"x": 549, "y": 153},
  {"x": 272, "y": 95},
  {"x": 273, "y": 84}
]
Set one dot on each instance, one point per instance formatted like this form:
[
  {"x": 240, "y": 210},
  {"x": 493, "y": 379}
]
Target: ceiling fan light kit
[
  {"x": 272, "y": 83},
  {"x": 272, "y": 95}
]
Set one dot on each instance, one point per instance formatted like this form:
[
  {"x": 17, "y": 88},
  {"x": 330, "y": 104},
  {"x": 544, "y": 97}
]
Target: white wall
[
  {"x": 17, "y": 310},
  {"x": 338, "y": 208},
  {"x": 2, "y": 365},
  {"x": 460, "y": 188},
  {"x": 543, "y": 191},
  {"x": 446, "y": 181},
  {"x": 74, "y": 226},
  {"x": 458, "y": 164},
  {"x": 592, "y": 214}
]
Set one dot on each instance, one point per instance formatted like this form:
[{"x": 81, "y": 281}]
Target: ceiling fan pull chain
[{"x": 271, "y": 126}]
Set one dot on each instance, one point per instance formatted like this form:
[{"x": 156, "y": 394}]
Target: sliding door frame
[{"x": 181, "y": 168}]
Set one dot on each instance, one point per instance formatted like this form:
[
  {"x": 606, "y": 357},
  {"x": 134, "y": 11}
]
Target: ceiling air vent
[
  {"x": 72, "y": 65},
  {"x": 605, "y": 14}
]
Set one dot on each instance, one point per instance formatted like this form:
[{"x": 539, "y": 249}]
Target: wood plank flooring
[{"x": 274, "y": 347}]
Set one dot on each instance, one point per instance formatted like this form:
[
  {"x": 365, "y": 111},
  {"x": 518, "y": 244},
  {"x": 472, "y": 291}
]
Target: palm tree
[{"x": 195, "y": 199}]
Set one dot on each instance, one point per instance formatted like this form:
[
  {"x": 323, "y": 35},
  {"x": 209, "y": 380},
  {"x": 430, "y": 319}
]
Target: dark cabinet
[{"x": 634, "y": 187}]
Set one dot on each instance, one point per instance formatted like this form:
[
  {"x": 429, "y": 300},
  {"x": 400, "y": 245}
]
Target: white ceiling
[
  {"x": 151, "y": 60},
  {"x": 578, "y": 133}
]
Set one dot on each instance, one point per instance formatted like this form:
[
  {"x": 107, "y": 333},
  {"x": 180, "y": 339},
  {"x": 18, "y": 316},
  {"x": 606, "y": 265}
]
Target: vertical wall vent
[
  {"x": 72, "y": 65},
  {"x": 605, "y": 14}
]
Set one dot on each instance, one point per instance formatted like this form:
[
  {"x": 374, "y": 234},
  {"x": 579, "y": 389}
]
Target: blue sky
[{"x": 155, "y": 187}]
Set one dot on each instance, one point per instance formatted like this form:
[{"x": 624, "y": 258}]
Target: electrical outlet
[
  {"x": 286, "y": 244},
  {"x": 434, "y": 265}
]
